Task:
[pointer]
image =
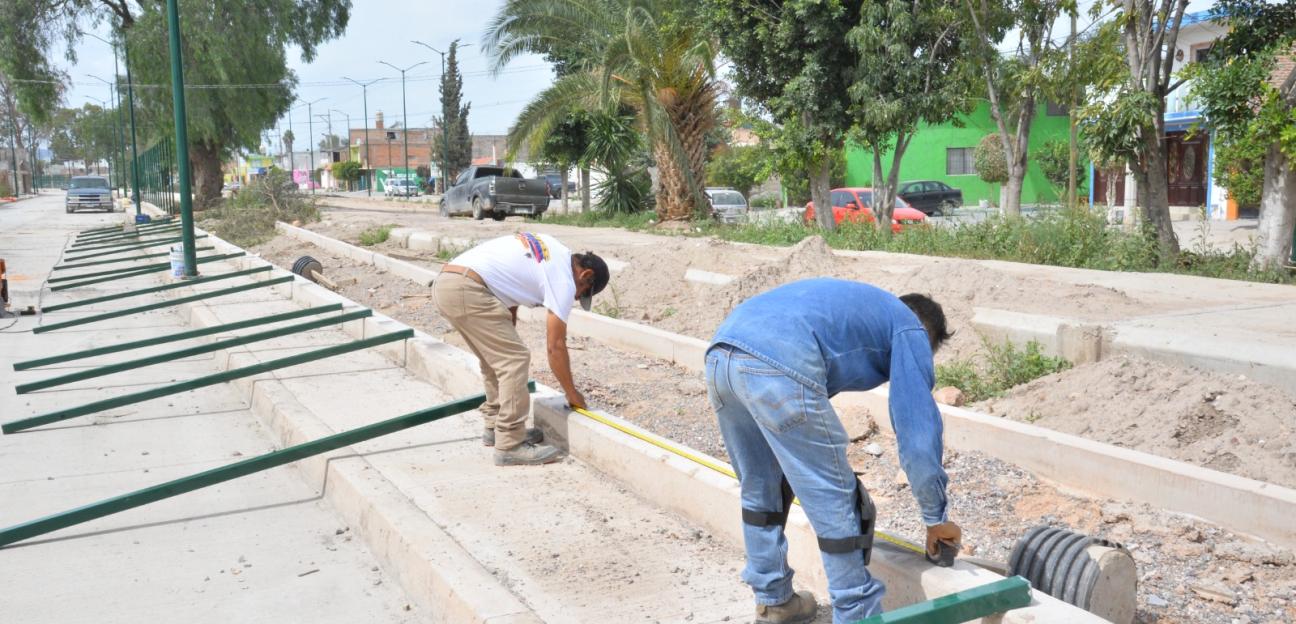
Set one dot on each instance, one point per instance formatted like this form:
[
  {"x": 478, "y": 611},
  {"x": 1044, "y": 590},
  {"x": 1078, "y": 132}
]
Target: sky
[{"x": 381, "y": 30}]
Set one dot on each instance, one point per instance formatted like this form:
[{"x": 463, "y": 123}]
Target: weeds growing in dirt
[
  {"x": 999, "y": 368},
  {"x": 610, "y": 309},
  {"x": 1071, "y": 238},
  {"x": 446, "y": 253},
  {"x": 374, "y": 236},
  {"x": 249, "y": 217}
]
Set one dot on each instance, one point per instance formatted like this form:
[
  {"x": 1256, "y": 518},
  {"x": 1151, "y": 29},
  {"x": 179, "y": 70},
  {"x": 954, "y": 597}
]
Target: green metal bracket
[
  {"x": 118, "y": 228},
  {"x": 118, "y": 244},
  {"x": 969, "y": 604},
  {"x": 40, "y": 329},
  {"x": 133, "y": 271},
  {"x": 160, "y": 254},
  {"x": 169, "y": 356},
  {"x": 138, "y": 498},
  {"x": 130, "y": 248},
  {"x": 72, "y": 278},
  {"x": 202, "y": 382},
  {"x": 153, "y": 289},
  {"x": 185, "y": 335},
  {"x": 102, "y": 238}
]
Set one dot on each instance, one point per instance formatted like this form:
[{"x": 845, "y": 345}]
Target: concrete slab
[{"x": 260, "y": 549}]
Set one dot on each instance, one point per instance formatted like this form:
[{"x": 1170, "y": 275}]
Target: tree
[
  {"x": 792, "y": 57},
  {"x": 288, "y": 139},
  {"x": 913, "y": 68},
  {"x": 740, "y": 167},
  {"x": 564, "y": 147},
  {"x": 1253, "y": 111},
  {"x": 1150, "y": 29},
  {"x": 1014, "y": 85},
  {"x": 1054, "y": 159},
  {"x": 223, "y": 44},
  {"x": 651, "y": 55},
  {"x": 452, "y": 149},
  {"x": 347, "y": 171},
  {"x": 990, "y": 162},
  {"x": 331, "y": 142}
]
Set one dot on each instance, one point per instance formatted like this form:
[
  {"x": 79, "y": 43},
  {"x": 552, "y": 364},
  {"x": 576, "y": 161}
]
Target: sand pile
[{"x": 1224, "y": 422}]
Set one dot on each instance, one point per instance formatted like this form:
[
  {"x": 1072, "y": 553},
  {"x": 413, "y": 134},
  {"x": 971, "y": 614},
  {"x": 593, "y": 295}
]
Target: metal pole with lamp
[
  {"x": 364, "y": 90},
  {"x": 348, "y": 143},
  {"x": 120, "y": 155},
  {"x": 310, "y": 141},
  {"x": 445, "y": 131},
  {"x": 181, "y": 140},
  {"x": 404, "y": 116}
]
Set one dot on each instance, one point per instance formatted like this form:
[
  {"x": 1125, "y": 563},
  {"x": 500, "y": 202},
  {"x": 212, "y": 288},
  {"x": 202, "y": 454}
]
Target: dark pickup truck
[
  {"x": 497, "y": 192},
  {"x": 934, "y": 199},
  {"x": 88, "y": 192}
]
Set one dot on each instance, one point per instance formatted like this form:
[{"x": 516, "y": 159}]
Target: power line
[{"x": 272, "y": 85}]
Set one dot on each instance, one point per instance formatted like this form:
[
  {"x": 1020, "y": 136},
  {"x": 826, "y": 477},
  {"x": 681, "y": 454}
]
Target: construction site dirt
[{"x": 1190, "y": 571}]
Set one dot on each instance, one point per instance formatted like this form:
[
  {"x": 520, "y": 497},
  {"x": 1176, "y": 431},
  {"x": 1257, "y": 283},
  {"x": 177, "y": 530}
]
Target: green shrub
[
  {"x": 998, "y": 369},
  {"x": 249, "y": 217},
  {"x": 374, "y": 236}
]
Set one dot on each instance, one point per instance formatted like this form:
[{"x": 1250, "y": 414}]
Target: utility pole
[
  {"x": 182, "y": 141},
  {"x": 130, "y": 96},
  {"x": 331, "y": 144},
  {"x": 404, "y": 116},
  {"x": 364, "y": 90},
  {"x": 310, "y": 141},
  {"x": 13, "y": 151},
  {"x": 348, "y": 143},
  {"x": 121, "y": 148},
  {"x": 445, "y": 132}
]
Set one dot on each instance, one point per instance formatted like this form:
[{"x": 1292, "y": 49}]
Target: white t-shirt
[{"x": 525, "y": 269}]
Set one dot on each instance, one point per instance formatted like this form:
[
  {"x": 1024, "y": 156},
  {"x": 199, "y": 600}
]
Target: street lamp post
[
  {"x": 130, "y": 97},
  {"x": 404, "y": 116},
  {"x": 120, "y": 155},
  {"x": 13, "y": 151},
  {"x": 445, "y": 132},
  {"x": 182, "y": 140},
  {"x": 105, "y": 106},
  {"x": 364, "y": 90},
  {"x": 310, "y": 132},
  {"x": 331, "y": 143},
  {"x": 348, "y": 145}
]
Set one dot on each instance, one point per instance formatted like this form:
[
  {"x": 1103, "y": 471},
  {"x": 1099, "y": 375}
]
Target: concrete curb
[{"x": 401, "y": 268}]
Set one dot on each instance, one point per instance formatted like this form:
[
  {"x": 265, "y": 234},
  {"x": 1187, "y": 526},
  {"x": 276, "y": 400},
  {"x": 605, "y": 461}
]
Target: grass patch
[
  {"x": 1069, "y": 238},
  {"x": 999, "y": 368},
  {"x": 249, "y": 217},
  {"x": 446, "y": 253},
  {"x": 374, "y": 236},
  {"x": 610, "y": 309}
]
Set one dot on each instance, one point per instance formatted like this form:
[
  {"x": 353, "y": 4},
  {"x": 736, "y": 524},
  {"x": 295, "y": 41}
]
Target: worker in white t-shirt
[{"x": 479, "y": 293}]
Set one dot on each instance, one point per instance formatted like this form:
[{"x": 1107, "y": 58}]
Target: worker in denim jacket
[{"x": 771, "y": 369}]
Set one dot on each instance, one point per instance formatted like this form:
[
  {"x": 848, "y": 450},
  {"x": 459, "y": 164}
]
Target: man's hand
[
  {"x": 947, "y": 532},
  {"x": 576, "y": 399}
]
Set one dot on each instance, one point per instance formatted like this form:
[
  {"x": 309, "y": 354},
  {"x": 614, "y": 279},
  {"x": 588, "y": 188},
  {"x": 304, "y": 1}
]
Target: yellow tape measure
[{"x": 666, "y": 445}]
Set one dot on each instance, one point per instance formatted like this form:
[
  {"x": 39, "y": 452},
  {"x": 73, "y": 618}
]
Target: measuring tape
[{"x": 666, "y": 445}]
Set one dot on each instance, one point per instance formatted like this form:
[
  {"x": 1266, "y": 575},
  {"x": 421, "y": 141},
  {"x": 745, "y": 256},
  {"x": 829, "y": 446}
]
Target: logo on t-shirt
[{"x": 535, "y": 247}]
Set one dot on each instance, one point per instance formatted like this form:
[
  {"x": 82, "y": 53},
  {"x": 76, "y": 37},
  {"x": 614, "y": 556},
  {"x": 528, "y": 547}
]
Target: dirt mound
[
  {"x": 1223, "y": 422},
  {"x": 811, "y": 257}
]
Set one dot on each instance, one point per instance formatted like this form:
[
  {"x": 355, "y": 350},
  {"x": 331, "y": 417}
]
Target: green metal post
[
  {"x": 117, "y": 504},
  {"x": 40, "y": 329},
  {"x": 203, "y": 382},
  {"x": 160, "y": 265},
  {"x": 130, "y": 96},
  {"x": 118, "y": 250},
  {"x": 137, "y": 271},
  {"x": 181, "y": 140},
  {"x": 964, "y": 606},
  {"x": 154, "y": 289},
  {"x": 116, "y": 260},
  {"x": 185, "y": 335},
  {"x": 118, "y": 367}
]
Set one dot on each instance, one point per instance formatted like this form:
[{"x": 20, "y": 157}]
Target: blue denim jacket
[{"x": 834, "y": 335}]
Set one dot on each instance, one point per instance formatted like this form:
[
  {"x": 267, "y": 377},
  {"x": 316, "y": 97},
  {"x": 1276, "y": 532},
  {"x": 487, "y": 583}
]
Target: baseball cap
[{"x": 590, "y": 260}]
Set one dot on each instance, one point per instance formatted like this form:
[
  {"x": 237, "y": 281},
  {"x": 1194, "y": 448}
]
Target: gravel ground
[{"x": 995, "y": 502}]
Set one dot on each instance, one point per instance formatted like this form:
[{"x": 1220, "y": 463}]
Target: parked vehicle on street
[
  {"x": 495, "y": 192},
  {"x": 727, "y": 205},
  {"x": 555, "y": 185},
  {"x": 401, "y": 187},
  {"x": 88, "y": 192},
  {"x": 856, "y": 205},
  {"x": 933, "y": 198}
]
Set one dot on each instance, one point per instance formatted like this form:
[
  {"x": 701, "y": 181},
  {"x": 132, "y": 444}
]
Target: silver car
[{"x": 727, "y": 205}]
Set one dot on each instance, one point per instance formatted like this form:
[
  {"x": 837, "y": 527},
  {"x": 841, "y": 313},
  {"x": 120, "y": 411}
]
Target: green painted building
[{"x": 944, "y": 153}]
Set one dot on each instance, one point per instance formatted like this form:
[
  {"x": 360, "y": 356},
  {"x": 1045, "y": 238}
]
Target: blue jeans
[{"x": 774, "y": 427}]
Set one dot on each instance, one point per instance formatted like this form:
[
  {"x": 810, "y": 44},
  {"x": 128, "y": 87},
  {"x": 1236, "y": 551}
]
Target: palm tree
[{"x": 650, "y": 55}]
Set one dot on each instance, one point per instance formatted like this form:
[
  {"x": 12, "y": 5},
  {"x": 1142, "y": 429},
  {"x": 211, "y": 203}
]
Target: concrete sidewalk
[{"x": 265, "y": 548}]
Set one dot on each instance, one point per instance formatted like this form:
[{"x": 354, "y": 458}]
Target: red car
[{"x": 854, "y": 204}]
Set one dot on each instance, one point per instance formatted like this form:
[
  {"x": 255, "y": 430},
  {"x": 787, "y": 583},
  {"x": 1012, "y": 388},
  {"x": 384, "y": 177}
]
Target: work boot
[
  {"x": 533, "y": 435},
  {"x": 527, "y": 454},
  {"x": 801, "y": 607}
]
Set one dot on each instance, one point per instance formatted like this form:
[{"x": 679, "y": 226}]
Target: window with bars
[{"x": 958, "y": 161}]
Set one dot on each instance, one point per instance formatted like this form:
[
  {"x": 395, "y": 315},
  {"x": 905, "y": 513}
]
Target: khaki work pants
[{"x": 487, "y": 326}]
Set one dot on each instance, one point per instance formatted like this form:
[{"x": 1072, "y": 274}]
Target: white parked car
[{"x": 401, "y": 187}]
